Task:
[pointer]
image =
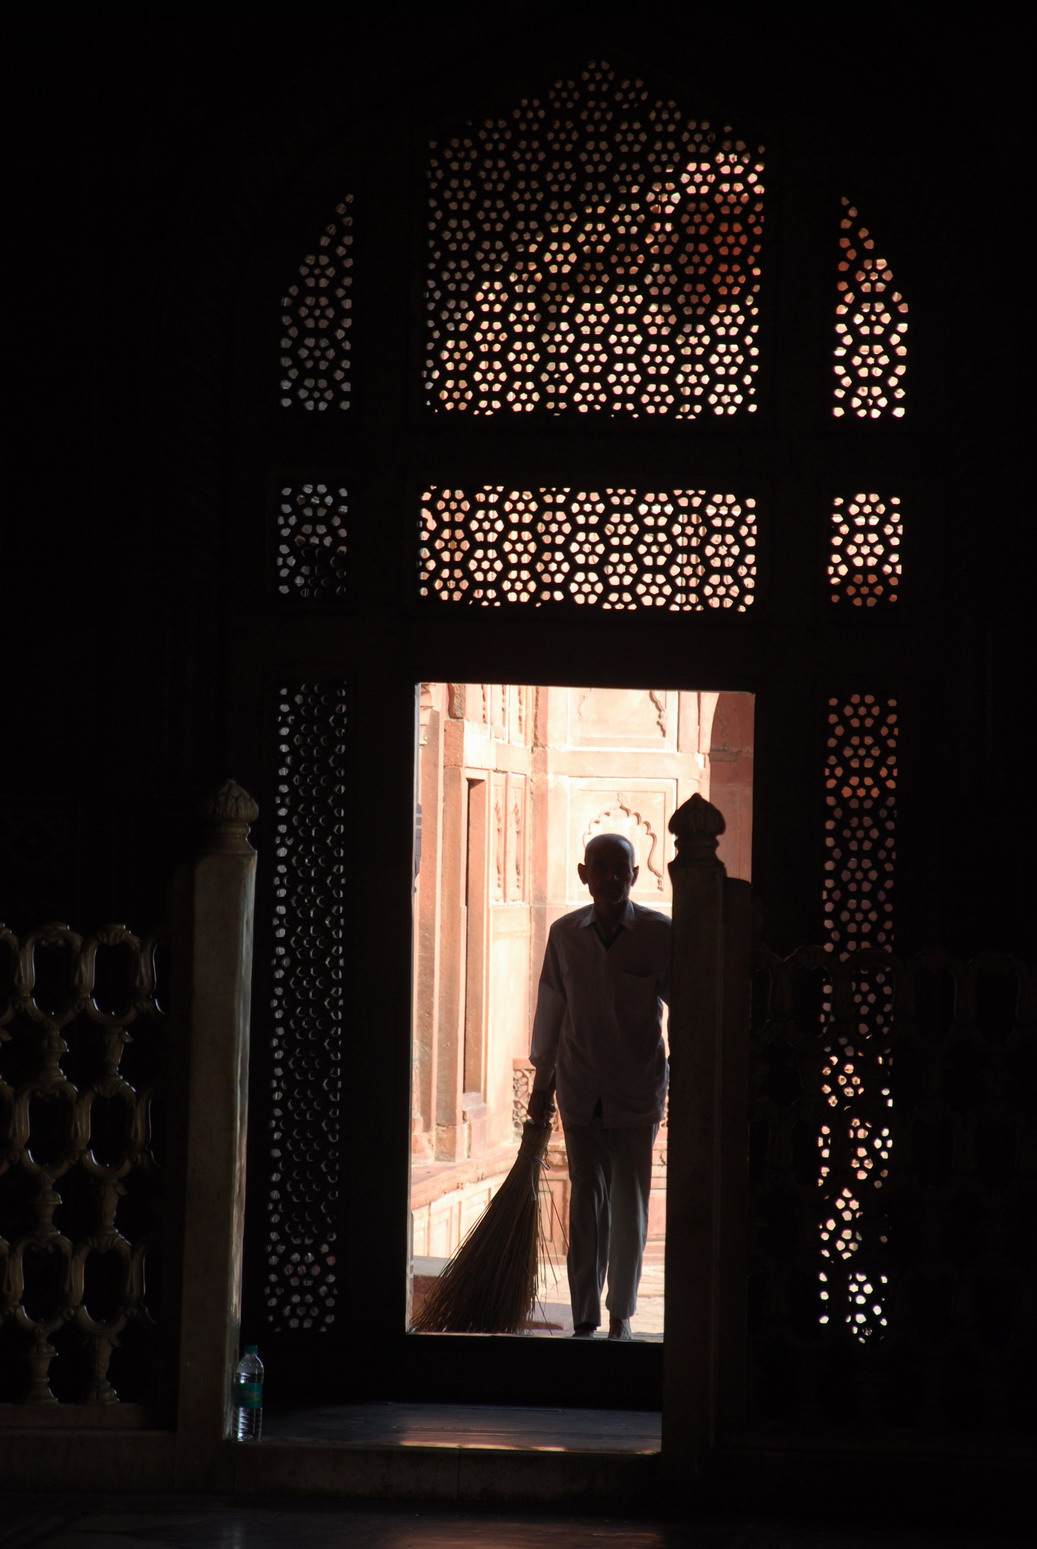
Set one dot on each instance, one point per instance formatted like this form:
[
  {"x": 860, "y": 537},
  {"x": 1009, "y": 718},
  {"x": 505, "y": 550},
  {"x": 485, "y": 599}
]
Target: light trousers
[{"x": 610, "y": 1176}]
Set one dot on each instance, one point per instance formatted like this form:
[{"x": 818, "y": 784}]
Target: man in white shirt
[{"x": 597, "y": 1042}]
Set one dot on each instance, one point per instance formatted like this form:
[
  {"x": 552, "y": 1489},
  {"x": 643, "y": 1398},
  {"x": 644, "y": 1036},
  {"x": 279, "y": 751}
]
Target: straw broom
[{"x": 490, "y": 1285}]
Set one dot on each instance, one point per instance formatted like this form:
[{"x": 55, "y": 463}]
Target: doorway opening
[{"x": 512, "y": 780}]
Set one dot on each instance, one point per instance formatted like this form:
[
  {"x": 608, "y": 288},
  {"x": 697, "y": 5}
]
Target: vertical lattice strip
[
  {"x": 307, "y": 1005},
  {"x": 855, "y": 1144},
  {"x": 870, "y": 328},
  {"x": 860, "y": 838},
  {"x": 315, "y": 321}
]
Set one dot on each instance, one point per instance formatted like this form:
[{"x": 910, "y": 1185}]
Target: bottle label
[{"x": 249, "y": 1395}]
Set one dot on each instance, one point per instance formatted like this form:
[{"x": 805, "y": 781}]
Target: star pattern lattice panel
[
  {"x": 316, "y": 319},
  {"x": 311, "y": 542},
  {"x": 864, "y": 564},
  {"x": 621, "y": 549},
  {"x": 870, "y": 328},
  {"x": 595, "y": 250},
  {"x": 310, "y": 886}
]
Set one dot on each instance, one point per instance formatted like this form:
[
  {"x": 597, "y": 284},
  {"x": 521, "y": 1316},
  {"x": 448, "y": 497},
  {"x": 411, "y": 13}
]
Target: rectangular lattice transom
[{"x": 682, "y": 550}]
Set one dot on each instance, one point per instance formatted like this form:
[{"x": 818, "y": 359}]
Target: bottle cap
[{"x": 251, "y": 1349}]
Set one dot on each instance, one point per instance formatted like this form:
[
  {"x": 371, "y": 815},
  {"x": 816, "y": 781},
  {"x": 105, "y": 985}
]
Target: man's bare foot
[
  {"x": 619, "y": 1328},
  {"x": 585, "y": 1330}
]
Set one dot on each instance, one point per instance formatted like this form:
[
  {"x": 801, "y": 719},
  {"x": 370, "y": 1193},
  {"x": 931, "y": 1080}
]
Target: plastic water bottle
[{"x": 248, "y": 1396}]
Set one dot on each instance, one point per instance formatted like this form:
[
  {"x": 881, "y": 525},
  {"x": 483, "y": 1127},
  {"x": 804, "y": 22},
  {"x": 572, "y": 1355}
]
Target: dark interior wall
[
  {"x": 154, "y": 143},
  {"x": 161, "y": 150}
]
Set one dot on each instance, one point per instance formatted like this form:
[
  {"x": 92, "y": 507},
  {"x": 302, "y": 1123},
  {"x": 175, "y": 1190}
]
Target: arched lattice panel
[
  {"x": 621, "y": 549},
  {"x": 594, "y": 250},
  {"x": 82, "y": 1047},
  {"x": 310, "y": 883},
  {"x": 316, "y": 314},
  {"x": 870, "y": 328}
]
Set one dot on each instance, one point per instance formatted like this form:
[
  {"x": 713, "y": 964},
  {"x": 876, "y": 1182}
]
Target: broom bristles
[{"x": 490, "y": 1285}]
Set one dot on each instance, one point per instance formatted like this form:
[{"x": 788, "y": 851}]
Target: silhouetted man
[{"x": 597, "y": 1042}]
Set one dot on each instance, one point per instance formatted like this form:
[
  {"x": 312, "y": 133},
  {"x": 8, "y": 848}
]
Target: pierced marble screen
[
  {"x": 311, "y": 541},
  {"x": 594, "y": 250},
  {"x": 679, "y": 550},
  {"x": 870, "y": 328},
  {"x": 864, "y": 563},
  {"x": 860, "y": 828},
  {"x": 316, "y": 319},
  {"x": 310, "y": 883}
]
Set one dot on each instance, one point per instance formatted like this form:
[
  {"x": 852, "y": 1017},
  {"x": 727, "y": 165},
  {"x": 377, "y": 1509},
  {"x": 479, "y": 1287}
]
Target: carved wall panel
[
  {"x": 82, "y": 1047},
  {"x": 641, "y": 814},
  {"x": 623, "y": 718}
]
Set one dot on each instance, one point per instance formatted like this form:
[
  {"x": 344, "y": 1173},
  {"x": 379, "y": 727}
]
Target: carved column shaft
[
  {"x": 215, "y": 904},
  {"x": 708, "y": 1037}
]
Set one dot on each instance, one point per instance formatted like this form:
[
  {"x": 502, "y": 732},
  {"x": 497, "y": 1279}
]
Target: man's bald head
[
  {"x": 604, "y": 841},
  {"x": 609, "y": 872}
]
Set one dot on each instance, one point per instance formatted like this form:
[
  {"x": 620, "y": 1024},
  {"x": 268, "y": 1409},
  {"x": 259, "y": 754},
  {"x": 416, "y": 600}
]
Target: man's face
[{"x": 609, "y": 872}]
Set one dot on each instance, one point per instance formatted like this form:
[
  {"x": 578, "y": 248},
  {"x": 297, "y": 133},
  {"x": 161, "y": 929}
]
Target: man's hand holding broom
[{"x": 540, "y": 1109}]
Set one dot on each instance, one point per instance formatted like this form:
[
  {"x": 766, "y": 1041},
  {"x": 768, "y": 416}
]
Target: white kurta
[{"x": 598, "y": 1025}]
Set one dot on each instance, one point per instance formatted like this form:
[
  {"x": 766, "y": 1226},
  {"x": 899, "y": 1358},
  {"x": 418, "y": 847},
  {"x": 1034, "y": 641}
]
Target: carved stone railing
[
  {"x": 123, "y": 1128},
  {"x": 82, "y": 1041},
  {"x": 893, "y": 1191}
]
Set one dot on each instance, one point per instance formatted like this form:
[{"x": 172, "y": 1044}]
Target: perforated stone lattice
[
  {"x": 860, "y": 828},
  {"x": 311, "y": 542},
  {"x": 315, "y": 321},
  {"x": 81, "y": 1042},
  {"x": 683, "y": 550},
  {"x": 864, "y": 565},
  {"x": 309, "y": 945},
  {"x": 916, "y": 1309},
  {"x": 854, "y": 1141},
  {"x": 595, "y": 250},
  {"x": 870, "y": 328}
]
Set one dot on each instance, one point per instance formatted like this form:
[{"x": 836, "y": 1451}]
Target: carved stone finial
[
  {"x": 231, "y": 804},
  {"x": 229, "y": 811},
  {"x": 696, "y": 826}
]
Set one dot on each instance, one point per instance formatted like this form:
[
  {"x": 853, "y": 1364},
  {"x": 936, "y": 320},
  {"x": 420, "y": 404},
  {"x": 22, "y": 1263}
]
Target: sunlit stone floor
[{"x": 198, "y": 1522}]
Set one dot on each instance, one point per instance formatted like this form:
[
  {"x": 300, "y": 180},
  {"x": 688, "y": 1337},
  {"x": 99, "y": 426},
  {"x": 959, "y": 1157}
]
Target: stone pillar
[
  {"x": 211, "y": 1003},
  {"x": 709, "y": 1030}
]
